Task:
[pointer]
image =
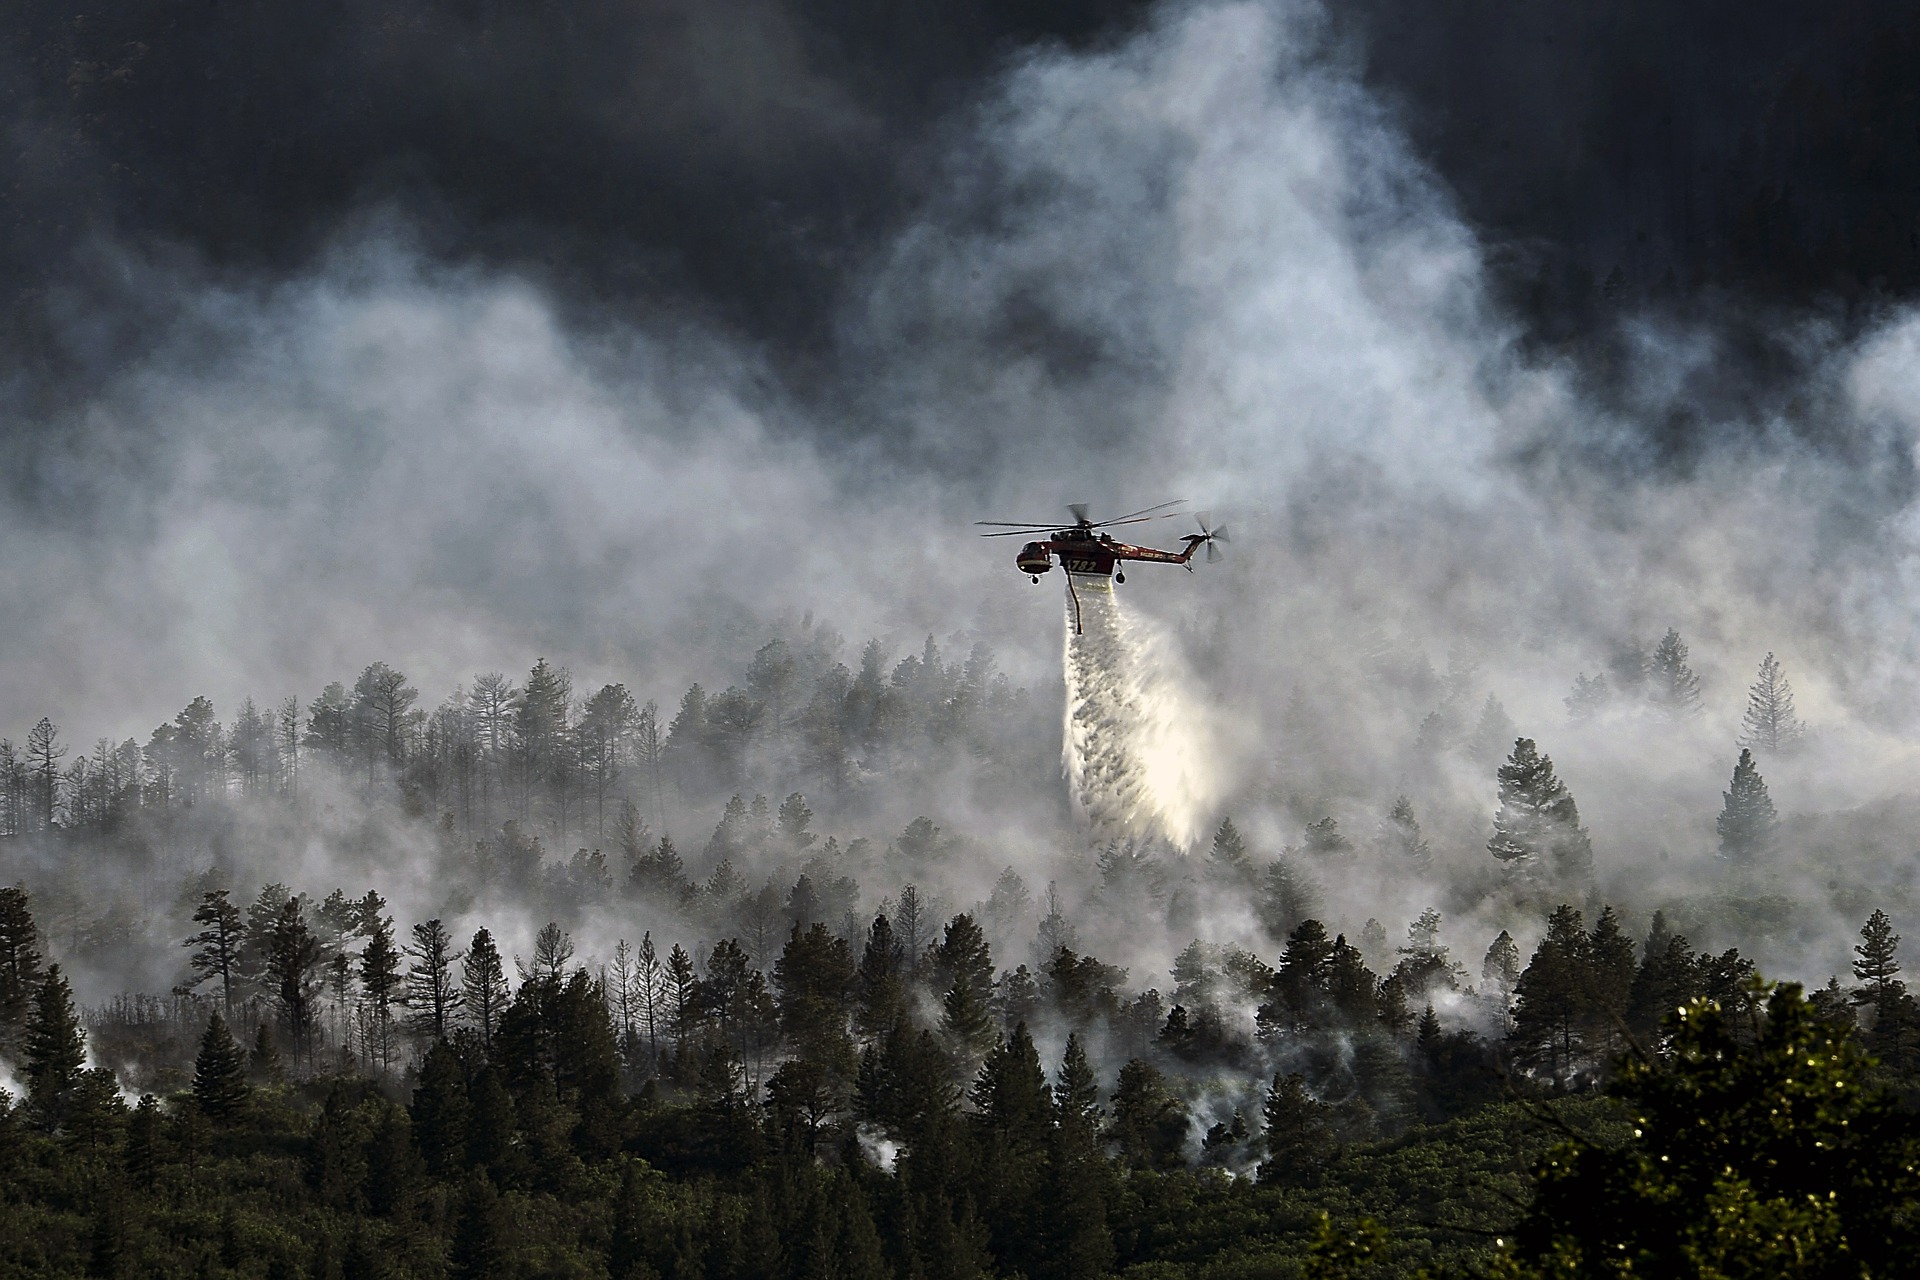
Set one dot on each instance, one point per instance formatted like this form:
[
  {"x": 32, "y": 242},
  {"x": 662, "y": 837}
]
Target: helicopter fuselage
[{"x": 1085, "y": 553}]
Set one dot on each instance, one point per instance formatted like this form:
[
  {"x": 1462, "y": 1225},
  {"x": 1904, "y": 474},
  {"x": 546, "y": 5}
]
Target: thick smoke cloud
[{"x": 1202, "y": 262}]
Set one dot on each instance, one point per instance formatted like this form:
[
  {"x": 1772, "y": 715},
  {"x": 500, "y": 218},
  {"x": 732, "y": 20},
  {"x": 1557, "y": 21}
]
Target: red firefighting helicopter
[{"x": 1087, "y": 552}]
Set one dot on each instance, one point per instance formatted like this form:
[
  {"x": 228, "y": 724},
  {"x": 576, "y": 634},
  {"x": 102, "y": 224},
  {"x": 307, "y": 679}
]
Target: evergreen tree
[
  {"x": 965, "y": 970},
  {"x": 1149, "y": 1123},
  {"x": 394, "y": 1166},
  {"x": 1400, "y": 837},
  {"x": 1758, "y": 1148},
  {"x": 483, "y": 986},
  {"x": 431, "y": 992},
  {"x": 439, "y": 1110},
  {"x": 1325, "y": 839},
  {"x": 143, "y": 1143},
  {"x": 1747, "y": 822},
  {"x": 1668, "y": 977},
  {"x": 1298, "y": 1130},
  {"x": 1606, "y": 982},
  {"x": 380, "y": 978},
  {"x": 1289, "y": 896},
  {"x": 879, "y": 983},
  {"x": 1589, "y": 697},
  {"x": 44, "y": 753},
  {"x": 1877, "y": 970},
  {"x": 794, "y": 819},
  {"x": 1538, "y": 823},
  {"x": 95, "y": 1111},
  {"x": 263, "y": 1061},
  {"x": 1228, "y": 859},
  {"x": 293, "y": 967},
  {"x": 217, "y": 946},
  {"x": 1671, "y": 684},
  {"x": 1547, "y": 1015},
  {"x": 1770, "y": 723},
  {"x": 220, "y": 1087},
  {"x": 19, "y": 962},
  {"x": 479, "y": 1248},
  {"x": 812, "y": 978},
  {"x": 55, "y": 1051},
  {"x": 1491, "y": 733},
  {"x": 1075, "y": 1239}
]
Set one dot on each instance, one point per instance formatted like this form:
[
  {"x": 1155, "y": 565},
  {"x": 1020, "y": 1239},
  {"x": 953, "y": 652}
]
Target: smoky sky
[{"x": 746, "y": 163}]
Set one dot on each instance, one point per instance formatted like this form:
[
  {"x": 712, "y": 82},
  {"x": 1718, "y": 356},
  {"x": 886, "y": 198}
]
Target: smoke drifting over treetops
[{"x": 1200, "y": 262}]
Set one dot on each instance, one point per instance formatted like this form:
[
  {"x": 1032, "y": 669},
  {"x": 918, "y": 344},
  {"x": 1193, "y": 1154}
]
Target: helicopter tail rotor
[{"x": 1212, "y": 536}]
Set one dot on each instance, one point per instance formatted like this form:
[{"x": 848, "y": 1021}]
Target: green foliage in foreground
[{"x": 1757, "y": 1145}]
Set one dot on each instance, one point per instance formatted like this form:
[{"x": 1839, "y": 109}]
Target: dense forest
[{"x": 778, "y": 1054}]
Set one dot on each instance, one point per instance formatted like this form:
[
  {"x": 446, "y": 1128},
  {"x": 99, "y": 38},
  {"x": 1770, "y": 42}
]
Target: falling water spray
[{"x": 1135, "y": 758}]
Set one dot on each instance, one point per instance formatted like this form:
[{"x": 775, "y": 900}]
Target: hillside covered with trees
[{"x": 777, "y": 1053}]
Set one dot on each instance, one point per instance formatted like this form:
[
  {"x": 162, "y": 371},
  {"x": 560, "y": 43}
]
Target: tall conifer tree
[
  {"x": 1538, "y": 823},
  {"x": 1770, "y": 723},
  {"x": 1747, "y": 821}
]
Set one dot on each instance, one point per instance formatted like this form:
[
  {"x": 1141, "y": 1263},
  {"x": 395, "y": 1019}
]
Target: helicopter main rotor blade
[
  {"x": 1017, "y": 533},
  {"x": 1017, "y": 524},
  {"x": 1143, "y": 511},
  {"x": 1079, "y": 510}
]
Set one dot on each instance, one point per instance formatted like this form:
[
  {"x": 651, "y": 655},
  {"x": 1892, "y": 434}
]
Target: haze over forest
[{"x": 509, "y": 470}]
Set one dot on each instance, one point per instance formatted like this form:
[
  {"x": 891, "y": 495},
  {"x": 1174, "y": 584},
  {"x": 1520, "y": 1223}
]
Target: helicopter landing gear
[
  {"x": 1036, "y": 578},
  {"x": 1120, "y": 577}
]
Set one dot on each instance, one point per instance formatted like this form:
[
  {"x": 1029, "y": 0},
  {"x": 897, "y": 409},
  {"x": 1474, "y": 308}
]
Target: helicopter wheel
[
  {"x": 1036, "y": 579},
  {"x": 1119, "y": 577}
]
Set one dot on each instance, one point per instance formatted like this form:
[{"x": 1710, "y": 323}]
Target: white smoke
[{"x": 1136, "y": 742}]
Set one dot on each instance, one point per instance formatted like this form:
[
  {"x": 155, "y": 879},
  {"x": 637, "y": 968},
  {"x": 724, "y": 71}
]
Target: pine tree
[
  {"x": 1747, "y": 822},
  {"x": 143, "y": 1143},
  {"x": 813, "y": 976},
  {"x": 55, "y": 1051},
  {"x": 1547, "y": 1016},
  {"x": 1671, "y": 684},
  {"x": 1770, "y": 723},
  {"x": 432, "y": 994},
  {"x": 479, "y": 1249},
  {"x": 1228, "y": 859},
  {"x": 1538, "y": 823},
  {"x": 1289, "y": 897},
  {"x": 794, "y": 819},
  {"x": 965, "y": 969},
  {"x": 220, "y": 1087},
  {"x": 19, "y": 962},
  {"x": 1400, "y": 837},
  {"x": 1589, "y": 697},
  {"x": 439, "y": 1110},
  {"x": 1298, "y": 1133},
  {"x": 218, "y": 945},
  {"x": 1324, "y": 839},
  {"x": 1491, "y": 733},
  {"x": 293, "y": 967},
  {"x": 879, "y": 988},
  {"x": 1877, "y": 970},
  {"x": 263, "y": 1061},
  {"x": 1149, "y": 1123},
  {"x": 483, "y": 986},
  {"x": 380, "y": 978},
  {"x": 43, "y": 761},
  {"x": 1607, "y": 971}
]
